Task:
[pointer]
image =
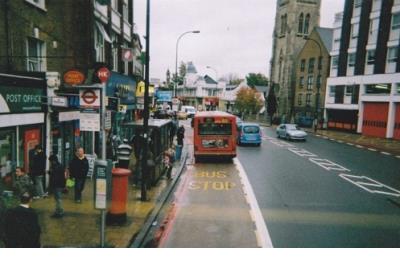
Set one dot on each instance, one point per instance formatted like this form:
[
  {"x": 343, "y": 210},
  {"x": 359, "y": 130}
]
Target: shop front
[{"x": 22, "y": 119}]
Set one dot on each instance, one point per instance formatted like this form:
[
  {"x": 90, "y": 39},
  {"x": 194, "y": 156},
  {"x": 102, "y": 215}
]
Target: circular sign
[
  {"x": 74, "y": 77},
  {"x": 127, "y": 55},
  {"x": 89, "y": 97},
  {"x": 103, "y": 74}
]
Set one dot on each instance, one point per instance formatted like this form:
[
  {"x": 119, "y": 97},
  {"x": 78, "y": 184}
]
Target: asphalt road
[{"x": 323, "y": 193}]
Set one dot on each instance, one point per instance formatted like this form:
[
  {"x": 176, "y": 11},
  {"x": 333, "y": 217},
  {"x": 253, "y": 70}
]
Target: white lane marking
[
  {"x": 328, "y": 165},
  {"x": 302, "y": 152},
  {"x": 370, "y": 185},
  {"x": 397, "y": 156},
  {"x": 340, "y": 141},
  {"x": 333, "y": 140},
  {"x": 386, "y": 153},
  {"x": 372, "y": 149},
  {"x": 351, "y": 144},
  {"x": 318, "y": 135},
  {"x": 265, "y": 239},
  {"x": 359, "y": 146},
  {"x": 325, "y": 137}
]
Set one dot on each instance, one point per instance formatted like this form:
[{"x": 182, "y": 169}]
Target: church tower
[{"x": 294, "y": 21}]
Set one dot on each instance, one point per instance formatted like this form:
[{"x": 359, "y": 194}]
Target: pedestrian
[
  {"x": 168, "y": 162},
  {"x": 174, "y": 128},
  {"x": 124, "y": 151},
  {"x": 23, "y": 183},
  {"x": 137, "y": 141},
  {"x": 78, "y": 169},
  {"x": 180, "y": 135},
  {"x": 21, "y": 225},
  {"x": 57, "y": 180},
  {"x": 37, "y": 170}
]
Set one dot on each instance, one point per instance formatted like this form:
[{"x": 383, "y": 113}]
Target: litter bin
[{"x": 117, "y": 212}]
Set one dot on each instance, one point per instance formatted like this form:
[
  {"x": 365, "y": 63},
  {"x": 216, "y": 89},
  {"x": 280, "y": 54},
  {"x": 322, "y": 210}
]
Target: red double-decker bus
[{"x": 214, "y": 135}]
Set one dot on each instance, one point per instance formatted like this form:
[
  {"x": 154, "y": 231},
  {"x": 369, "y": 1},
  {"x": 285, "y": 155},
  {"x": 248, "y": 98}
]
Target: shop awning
[{"x": 103, "y": 32}]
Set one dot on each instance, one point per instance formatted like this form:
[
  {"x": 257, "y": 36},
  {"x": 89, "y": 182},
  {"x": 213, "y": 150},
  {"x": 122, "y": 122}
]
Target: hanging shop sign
[
  {"x": 122, "y": 87},
  {"x": 103, "y": 74},
  {"x": 74, "y": 77},
  {"x": 127, "y": 54},
  {"x": 20, "y": 99},
  {"x": 89, "y": 98},
  {"x": 140, "y": 89}
]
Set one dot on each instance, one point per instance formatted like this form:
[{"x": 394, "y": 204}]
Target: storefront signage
[
  {"x": 20, "y": 99},
  {"x": 68, "y": 116},
  {"x": 164, "y": 96},
  {"x": 122, "y": 87},
  {"x": 89, "y": 121},
  {"x": 140, "y": 89},
  {"x": 59, "y": 102},
  {"x": 107, "y": 120},
  {"x": 89, "y": 98},
  {"x": 103, "y": 74},
  {"x": 74, "y": 77}
]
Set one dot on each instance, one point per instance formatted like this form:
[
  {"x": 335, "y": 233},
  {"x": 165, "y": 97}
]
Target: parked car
[
  {"x": 249, "y": 133},
  {"x": 182, "y": 115},
  {"x": 290, "y": 132},
  {"x": 190, "y": 111},
  {"x": 161, "y": 114}
]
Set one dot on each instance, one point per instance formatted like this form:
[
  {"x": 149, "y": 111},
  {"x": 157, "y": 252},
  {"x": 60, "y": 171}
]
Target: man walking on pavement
[
  {"x": 37, "y": 169},
  {"x": 124, "y": 151},
  {"x": 78, "y": 169},
  {"x": 57, "y": 182},
  {"x": 179, "y": 138},
  {"x": 21, "y": 225}
]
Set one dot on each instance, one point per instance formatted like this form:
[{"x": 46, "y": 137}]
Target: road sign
[
  {"x": 89, "y": 121},
  {"x": 59, "y": 102},
  {"x": 89, "y": 98},
  {"x": 103, "y": 74}
]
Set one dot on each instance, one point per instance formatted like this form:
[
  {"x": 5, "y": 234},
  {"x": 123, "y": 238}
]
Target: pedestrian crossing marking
[{"x": 370, "y": 185}]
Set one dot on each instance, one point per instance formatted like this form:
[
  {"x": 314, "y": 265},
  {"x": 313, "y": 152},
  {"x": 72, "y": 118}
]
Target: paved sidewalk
[{"x": 80, "y": 227}]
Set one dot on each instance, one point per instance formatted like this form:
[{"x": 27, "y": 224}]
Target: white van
[{"x": 189, "y": 110}]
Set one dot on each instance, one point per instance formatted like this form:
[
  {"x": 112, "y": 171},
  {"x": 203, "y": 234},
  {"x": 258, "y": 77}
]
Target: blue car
[{"x": 249, "y": 133}]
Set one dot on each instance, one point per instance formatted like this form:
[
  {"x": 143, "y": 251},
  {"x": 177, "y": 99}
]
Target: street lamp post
[
  {"x": 319, "y": 79},
  {"x": 176, "y": 57}
]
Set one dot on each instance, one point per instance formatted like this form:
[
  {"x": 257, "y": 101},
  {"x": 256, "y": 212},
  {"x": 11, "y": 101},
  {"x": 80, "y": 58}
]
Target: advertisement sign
[
  {"x": 59, "y": 102},
  {"x": 89, "y": 98},
  {"x": 164, "y": 96},
  {"x": 103, "y": 74},
  {"x": 20, "y": 99},
  {"x": 140, "y": 89},
  {"x": 74, "y": 77},
  {"x": 31, "y": 139},
  {"x": 122, "y": 87},
  {"x": 127, "y": 54},
  {"x": 89, "y": 121}
]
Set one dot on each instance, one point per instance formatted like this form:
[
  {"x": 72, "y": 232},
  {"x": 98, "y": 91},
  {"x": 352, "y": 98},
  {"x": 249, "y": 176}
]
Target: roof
[
  {"x": 213, "y": 114},
  {"x": 326, "y": 35},
  {"x": 209, "y": 80}
]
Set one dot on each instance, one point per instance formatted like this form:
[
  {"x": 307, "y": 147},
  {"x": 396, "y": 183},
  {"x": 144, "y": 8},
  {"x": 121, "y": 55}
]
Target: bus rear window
[{"x": 215, "y": 129}]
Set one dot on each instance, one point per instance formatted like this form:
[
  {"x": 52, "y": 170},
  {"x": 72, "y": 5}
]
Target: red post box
[{"x": 117, "y": 212}]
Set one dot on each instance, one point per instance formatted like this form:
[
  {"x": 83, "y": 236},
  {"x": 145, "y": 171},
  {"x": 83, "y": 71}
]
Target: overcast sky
[{"x": 236, "y": 35}]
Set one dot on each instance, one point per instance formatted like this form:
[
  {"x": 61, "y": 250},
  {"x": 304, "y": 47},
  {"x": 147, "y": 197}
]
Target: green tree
[
  {"x": 248, "y": 101},
  {"x": 271, "y": 104},
  {"x": 254, "y": 79}
]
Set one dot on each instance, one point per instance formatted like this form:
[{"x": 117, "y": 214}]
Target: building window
[
  {"x": 382, "y": 88},
  {"x": 339, "y": 94},
  {"x": 357, "y": 3},
  {"x": 39, "y": 3},
  {"x": 320, "y": 63},
  {"x": 114, "y": 4},
  {"x": 319, "y": 81},
  {"x": 392, "y": 54},
  {"x": 301, "y": 23},
  {"x": 125, "y": 13},
  {"x": 308, "y": 99},
  {"x": 352, "y": 60},
  {"x": 335, "y": 62},
  {"x": 310, "y": 82},
  {"x": 301, "y": 82},
  {"x": 396, "y": 21},
  {"x": 303, "y": 65},
  {"x": 332, "y": 91},
  {"x": 397, "y": 88},
  {"x": 311, "y": 64},
  {"x": 307, "y": 24},
  {"x": 114, "y": 52},
  {"x": 36, "y": 55},
  {"x": 126, "y": 63},
  {"x": 354, "y": 30},
  {"x": 300, "y": 99},
  {"x": 371, "y": 57},
  {"x": 283, "y": 24},
  {"x": 99, "y": 46}
]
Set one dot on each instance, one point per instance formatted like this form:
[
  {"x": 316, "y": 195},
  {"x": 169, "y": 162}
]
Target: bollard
[{"x": 117, "y": 212}]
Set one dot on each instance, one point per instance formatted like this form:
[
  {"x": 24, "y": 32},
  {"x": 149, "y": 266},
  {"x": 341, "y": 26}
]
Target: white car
[
  {"x": 190, "y": 111},
  {"x": 290, "y": 132}
]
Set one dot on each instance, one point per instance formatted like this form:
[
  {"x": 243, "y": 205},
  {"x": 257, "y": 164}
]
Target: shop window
[{"x": 6, "y": 160}]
